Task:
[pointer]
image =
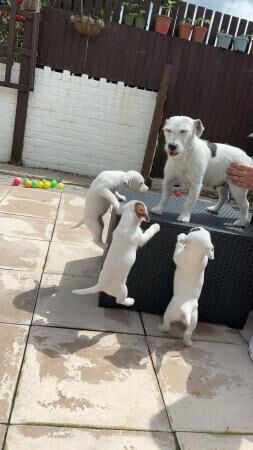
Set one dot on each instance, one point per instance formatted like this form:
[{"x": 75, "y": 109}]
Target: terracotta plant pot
[
  {"x": 128, "y": 20},
  {"x": 198, "y": 34},
  {"x": 240, "y": 44},
  {"x": 223, "y": 40},
  {"x": 140, "y": 22},
  {"x": 185, "y": 30},
  {"x": 162, "y": 24}
]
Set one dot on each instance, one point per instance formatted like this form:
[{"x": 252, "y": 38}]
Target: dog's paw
[
  {"x": 212, "y": 209},
  {"x": 181, "y": 238},
  {"x": 157, "y": 210},
  {"x": 128, "y": 301},
  {"x": 163, "y": 328},
  {"x": 185, "y": 218},
  {"x": 155, "y": 227},
  {"x": 104, "y": 246},
  {"x": 122, "y": 198},
  {"x": 239, "y": 223},
  {"x": 188, "y": 342},
  {"x": 116, "y": 204}
]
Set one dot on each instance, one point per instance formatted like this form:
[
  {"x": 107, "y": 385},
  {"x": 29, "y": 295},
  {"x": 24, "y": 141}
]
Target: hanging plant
[{"x": 89, "y": 25}]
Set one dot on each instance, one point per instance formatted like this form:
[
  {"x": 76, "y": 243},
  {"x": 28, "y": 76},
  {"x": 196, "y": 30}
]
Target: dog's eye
[
  {"x": 168, "y": 131},
  {"x": 182, "y": 131}
]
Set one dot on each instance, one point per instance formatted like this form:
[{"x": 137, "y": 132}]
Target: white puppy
[
  {"x": 191, "y": 257},
  {"x": 197, "y": 162},
  {"x": 127, "y": 237},
  {"x": 103, "y": 193}
]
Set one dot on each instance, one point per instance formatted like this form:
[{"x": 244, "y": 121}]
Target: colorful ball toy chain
[{"x": 41, "y": 183}]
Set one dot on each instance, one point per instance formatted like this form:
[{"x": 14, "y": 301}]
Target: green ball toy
[
  {"x": 34, "y": 184},
  {"x": 24, "y": 180},
  {"x": 54, "y": 183}
]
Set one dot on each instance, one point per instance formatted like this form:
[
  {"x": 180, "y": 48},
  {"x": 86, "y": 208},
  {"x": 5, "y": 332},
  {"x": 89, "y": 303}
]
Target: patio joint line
[
  {"x": 156, "y": 375},
  {"x": 28, "y": 335}
]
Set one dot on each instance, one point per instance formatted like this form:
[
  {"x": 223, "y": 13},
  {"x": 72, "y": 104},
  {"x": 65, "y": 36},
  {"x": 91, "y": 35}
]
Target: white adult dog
[
  {"x": 191, "y": 258},
  {"x": 103, "y": 193},
  {"x": 127, "y": 237},
  {"x": 197, "y": 162}
]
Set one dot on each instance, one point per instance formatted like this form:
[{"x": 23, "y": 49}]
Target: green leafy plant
[
  {"x": 168, "y": 5},
  {"x": 19, "y": 26},
  {"x": 186, "y": 20},
  {"x": 134, "y": 9},
  {"x": 201, "y": 21}
]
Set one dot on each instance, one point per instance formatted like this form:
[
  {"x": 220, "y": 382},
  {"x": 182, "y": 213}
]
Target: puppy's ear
[
  {"x": 165, "y": 124},
  {"x": 141, "y": 212},
  {"x": 198, "y": 127},
  {"x": 127, "y": 180}
]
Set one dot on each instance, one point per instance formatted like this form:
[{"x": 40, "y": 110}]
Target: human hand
[{"x": 241, "y": 175}]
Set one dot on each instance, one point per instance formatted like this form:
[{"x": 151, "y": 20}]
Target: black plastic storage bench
[{"x": 228, "y": 288}]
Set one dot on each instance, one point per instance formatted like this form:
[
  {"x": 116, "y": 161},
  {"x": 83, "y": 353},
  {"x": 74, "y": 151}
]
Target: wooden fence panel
[
  {"x": 215, "y": 27},
  {"x": 206, "y": 82}
]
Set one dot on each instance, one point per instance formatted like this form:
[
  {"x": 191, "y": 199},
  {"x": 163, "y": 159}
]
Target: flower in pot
[
  {"x": 223, "y": 39},
  {"x": 185, "y": 28},
  {"x": 240, "y": 43},
  {"x": 199, "y": 30},
  {"x": 164, "y": 20}
]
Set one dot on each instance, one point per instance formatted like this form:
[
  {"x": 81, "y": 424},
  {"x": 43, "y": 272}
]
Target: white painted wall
[
  {"x": 84, "y": 126},
  {"x": 78, "y": 125}
]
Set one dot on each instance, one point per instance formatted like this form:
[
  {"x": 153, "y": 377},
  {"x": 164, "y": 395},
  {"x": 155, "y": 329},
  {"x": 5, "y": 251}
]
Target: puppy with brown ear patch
[{"x": 127, "y": 237}]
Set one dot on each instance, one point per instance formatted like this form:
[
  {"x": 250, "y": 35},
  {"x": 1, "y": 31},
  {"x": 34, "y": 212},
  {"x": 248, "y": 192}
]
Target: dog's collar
[{"x": 213, "y": 148}]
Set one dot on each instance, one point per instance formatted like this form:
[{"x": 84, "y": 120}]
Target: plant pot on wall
[
  {"x": 162, "y": 24},
  {"x": 240, "y": 44},
  {"x": 198, "y": 34},
  {"x": 87, "y": 25},
  {"x": 224, "y": 40},
  {"x": 184, "y": 30},
  {"x": 128, "y": 19},
  {"x": 140, "y": 22}
]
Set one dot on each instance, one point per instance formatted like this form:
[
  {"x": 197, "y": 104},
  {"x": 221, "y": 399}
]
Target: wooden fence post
[
  {"x": 26, "y": 79},
  {"x": 156, "y": 123}
]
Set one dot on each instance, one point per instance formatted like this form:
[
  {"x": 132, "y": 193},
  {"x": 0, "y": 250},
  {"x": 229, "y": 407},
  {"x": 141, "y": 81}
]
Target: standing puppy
[
  {"x": 197, "y": 162},
  {"x": 121, "y": 256},
  {"x": 191, "y": 258},
  {"x": 103, "y": 193}
]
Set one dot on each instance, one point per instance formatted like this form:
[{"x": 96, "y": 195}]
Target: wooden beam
[
  {"x": 156, "y": 122},
  {"x": 19, "y": 128}
]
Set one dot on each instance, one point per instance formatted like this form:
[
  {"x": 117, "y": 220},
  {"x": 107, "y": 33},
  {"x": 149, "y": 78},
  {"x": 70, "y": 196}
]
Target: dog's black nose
[{"x": 172, "y": 147}]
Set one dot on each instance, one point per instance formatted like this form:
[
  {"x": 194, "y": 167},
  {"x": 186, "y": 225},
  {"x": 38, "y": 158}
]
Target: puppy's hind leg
[
  {"x": 190, "y": 320},
  {"x": 96, "y": 227},
  {"x": 122, "y": 298},
  {"x": 240, "y": 196},
  {"x": 165, "y": 326},
  {"x": 223, "y": 197}
]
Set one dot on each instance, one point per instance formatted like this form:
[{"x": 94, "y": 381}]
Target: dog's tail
[
  {"x": 78, "y": 224},
  {"x": 90, "y": 290}
]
